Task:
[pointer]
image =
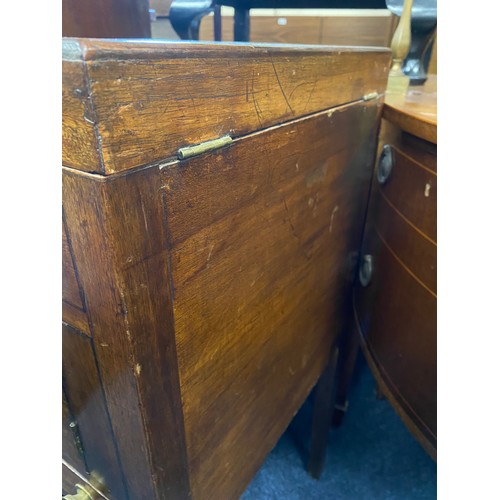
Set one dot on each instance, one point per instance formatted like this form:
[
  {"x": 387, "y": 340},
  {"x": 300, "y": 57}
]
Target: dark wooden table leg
[
  {"x": 322, "y": 417},
  {"x": 348, "y": 354}
]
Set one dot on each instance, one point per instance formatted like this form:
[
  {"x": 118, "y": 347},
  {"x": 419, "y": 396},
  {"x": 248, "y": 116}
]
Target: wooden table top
[{"x": 416, "y": 111}]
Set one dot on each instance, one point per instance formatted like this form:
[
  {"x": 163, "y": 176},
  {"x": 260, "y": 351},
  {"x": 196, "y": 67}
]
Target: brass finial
[{"x": 400, "y": 45}]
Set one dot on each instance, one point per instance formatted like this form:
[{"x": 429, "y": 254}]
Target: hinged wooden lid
[{"x": 128, "y": 104}]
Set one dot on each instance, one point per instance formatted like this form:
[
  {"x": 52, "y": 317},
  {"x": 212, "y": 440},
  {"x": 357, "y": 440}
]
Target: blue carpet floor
[{"x": 371, "y": 456}]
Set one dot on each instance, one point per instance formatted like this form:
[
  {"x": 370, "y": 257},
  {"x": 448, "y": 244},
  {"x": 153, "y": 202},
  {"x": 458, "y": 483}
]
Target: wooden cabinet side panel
[
  {"x": 117, "y": 232},
  {"x": 262, "y": 238}
]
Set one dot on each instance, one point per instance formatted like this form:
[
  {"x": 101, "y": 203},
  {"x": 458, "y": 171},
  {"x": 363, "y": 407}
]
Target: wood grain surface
[
  {"x": 116, "y": 226},
  {"x": 215, "y": 286},
  {"x": 260, "y": 253},
  {"x": 148, "y": 99},
  {"x": 79, "y": 136},
  {"x": 416, "y": 111},
  {"x": 87, "y": 405}
]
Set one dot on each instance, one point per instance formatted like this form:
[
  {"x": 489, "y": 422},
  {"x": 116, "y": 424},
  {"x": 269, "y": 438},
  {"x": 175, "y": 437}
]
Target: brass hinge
[
  {"x": 370, "y": 96},
  {"x": 93, "y": 488},
  {"x": 204, "y": 147}
]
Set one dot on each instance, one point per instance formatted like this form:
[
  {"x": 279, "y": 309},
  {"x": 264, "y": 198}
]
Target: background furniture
[
  {"x": 106, "y": 18},
  {"x": 205, "y": 287},
  {"x": 186, "y": 15},
  {"x": 423, "y": 35},
  {"x": 310, "y": 26},
  {"x": 395, "y": 298}
]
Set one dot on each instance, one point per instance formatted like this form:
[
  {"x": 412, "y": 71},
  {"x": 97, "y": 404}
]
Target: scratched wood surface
[
  {"x": 79, "y": 139},
  {"x": 214, "y": 287},
  {"x": 142, "y": 101},
  {"x": 260, "y": 254}
]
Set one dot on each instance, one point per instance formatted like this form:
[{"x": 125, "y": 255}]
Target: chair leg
[
  {"x": 241, "y": 25},
  {"x": 322, "y": 417},
  {"x": 186, "y": 15},
  {"x": 217, "y": 23}
]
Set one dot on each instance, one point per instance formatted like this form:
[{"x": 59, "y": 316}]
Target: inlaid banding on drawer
[
  {"x": 404, "y": 347},
  {"x": 421, "y": 151},
  {"x": 417, "y": 253},
  {"x": 412, "y": 192}
]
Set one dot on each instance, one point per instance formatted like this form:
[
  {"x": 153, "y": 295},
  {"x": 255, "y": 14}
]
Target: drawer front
[
  {"x": 88, "y": 446},
  {"x": 411, "y": 191},
  {"x": 396, "y": 307},
  {"x": 415, "y": 252},
  {"x": 397, "y": 317}
]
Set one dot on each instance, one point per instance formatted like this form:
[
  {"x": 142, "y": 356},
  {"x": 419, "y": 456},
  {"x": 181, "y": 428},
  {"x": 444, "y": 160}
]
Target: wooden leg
[
  {"x": 348, "y": 355},
  {"x": 322, "y": 416}
]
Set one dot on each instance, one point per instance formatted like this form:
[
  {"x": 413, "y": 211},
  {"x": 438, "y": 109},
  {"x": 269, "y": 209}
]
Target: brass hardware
[
  {"x": 204, "y": 147},
  {"x": 366, "y": 270},
  {"x": 398, "y": 82},
  {"x": 385, "y": 164},
  {"x": 83, "y": 493},
  {"x": 370, "y": 96},
  {"x": 89, "y": 491}
]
